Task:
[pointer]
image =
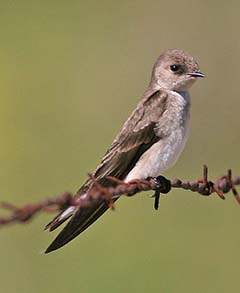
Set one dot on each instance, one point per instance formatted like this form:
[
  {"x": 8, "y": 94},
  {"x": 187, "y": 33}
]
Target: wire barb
[{"x": 99, "y": 193}]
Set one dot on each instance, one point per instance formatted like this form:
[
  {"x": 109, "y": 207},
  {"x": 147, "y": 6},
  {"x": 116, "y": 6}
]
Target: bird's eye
[{"x": 174, "y": 68}]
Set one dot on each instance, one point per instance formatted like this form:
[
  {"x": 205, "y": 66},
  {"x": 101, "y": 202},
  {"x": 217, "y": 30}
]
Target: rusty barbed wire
[{"x": 159, "y": 185}]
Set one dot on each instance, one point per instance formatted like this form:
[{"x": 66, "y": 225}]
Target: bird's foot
[{"x": 163, "y": 185}]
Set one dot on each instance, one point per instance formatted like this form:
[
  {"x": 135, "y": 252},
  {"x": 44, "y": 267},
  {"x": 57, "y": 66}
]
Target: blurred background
[{"x": 71, "y": 73}]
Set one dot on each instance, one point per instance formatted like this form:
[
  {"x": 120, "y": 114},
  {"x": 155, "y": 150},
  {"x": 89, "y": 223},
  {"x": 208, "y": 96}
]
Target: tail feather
[
  {"x": 81, "y": 220},
  {"x": 60, "y": 218}
]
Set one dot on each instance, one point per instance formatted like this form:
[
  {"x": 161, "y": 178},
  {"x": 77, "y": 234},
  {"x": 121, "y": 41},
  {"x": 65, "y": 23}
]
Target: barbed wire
[{"x": 99, "y": 193}]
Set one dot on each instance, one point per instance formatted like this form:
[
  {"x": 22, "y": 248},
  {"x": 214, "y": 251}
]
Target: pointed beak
[{"x": 197, "y": 74}]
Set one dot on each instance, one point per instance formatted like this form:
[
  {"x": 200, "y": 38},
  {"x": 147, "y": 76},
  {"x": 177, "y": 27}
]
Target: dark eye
[{"x": 174, "y": 67}]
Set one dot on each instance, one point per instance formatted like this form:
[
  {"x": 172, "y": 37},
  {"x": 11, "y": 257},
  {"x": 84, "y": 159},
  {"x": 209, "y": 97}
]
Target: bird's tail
[
  {"x": 60, "y": 218},
  {"x": 81, "y": 219}
]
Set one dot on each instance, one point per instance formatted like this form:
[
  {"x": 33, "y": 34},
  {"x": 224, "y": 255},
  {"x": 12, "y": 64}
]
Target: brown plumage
[
  {"x": 123, "y": 154},
  {"x": 140, "y": 132}
]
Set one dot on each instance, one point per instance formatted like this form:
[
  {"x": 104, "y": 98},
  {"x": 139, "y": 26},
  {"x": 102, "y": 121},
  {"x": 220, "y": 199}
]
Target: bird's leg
[{"x": 163, "y": 185}]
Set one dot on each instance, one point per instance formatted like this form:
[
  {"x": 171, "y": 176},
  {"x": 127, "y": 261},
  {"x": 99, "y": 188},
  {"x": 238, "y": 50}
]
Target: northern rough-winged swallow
[{"x": 150, "y": 141}]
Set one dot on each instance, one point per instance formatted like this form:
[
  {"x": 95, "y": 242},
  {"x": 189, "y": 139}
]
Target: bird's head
[{"x": 175, "y": 70}]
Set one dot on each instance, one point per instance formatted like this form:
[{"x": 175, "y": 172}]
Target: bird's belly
[{"x": 161, "y": 156}]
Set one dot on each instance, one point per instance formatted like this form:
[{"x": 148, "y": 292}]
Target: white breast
[{"x": 163, "y": 154}]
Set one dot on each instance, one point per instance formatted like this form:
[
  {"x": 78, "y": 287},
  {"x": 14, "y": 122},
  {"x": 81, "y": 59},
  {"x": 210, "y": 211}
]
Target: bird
[{"x": 150, "y": 141}]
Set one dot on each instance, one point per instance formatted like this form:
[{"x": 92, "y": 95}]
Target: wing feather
[{"x": 136, "y": 136}]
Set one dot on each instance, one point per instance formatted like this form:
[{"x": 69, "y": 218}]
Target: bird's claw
[{"x": 163, "y": 185}]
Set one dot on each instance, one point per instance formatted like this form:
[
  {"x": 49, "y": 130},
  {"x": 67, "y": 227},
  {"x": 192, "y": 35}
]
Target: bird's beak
[{"x": 197, "y": 74}]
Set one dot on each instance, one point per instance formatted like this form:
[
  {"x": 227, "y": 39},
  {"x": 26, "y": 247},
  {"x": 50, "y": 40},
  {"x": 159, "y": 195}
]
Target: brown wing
[{"x": 136, "y": 136}]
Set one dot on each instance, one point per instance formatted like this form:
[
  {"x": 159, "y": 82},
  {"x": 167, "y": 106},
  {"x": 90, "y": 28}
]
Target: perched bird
[{"x": 149, "y": 142}]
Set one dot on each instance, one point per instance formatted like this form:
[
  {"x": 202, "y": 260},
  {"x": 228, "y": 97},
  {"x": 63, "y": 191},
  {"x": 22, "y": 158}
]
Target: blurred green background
[{"x": 70, "y": 74}]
